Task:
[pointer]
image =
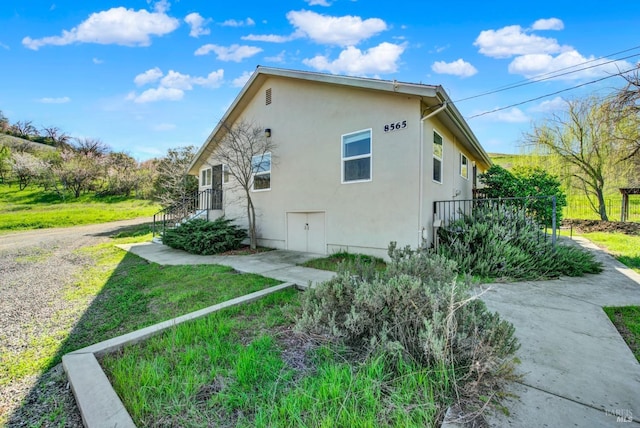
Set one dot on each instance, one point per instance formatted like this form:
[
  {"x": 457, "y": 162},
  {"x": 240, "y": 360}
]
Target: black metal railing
[
  {"x": 189, "y": 207},
  {"x": 541, "y": 210}
]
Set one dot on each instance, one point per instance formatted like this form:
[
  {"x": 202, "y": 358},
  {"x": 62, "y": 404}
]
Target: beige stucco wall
[{"x": 307, "y": 121}]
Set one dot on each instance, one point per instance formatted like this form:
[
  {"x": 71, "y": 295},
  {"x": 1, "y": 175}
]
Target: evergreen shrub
[{"x": 199, "y": 236}]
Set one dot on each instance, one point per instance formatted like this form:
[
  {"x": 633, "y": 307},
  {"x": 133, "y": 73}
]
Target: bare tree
[
  {"x": 93, "y": 146},
  {"x": 172, "y": 183},
  {"x": 628, "y": 103},
  {"x": 587, "y": 140},
  {"x": 24, "y": 129},
  {"x": 79, "y": 171},
  {"x": 58, "y": 137},
  {"x": 246, "y": 150},
  {"x": 4, "y": 123}
]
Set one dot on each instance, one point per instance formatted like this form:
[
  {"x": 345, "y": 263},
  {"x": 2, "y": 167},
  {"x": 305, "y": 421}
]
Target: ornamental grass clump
[
  {"x": 503, "y": 242},
  {"x": 199, "y": 236},
  {"x": 418, "y": 310}
]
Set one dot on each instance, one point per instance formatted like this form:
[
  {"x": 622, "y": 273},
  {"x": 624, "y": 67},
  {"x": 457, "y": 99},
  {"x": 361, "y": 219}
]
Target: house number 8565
[{"x": 395, "y": 126}]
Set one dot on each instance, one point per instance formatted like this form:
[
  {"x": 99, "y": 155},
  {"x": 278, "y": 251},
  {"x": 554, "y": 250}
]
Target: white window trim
[
  {"x": 370, "y": 156},
  {"x": 462, "y": 155},
  {"x": 441, "y": 159},
  {"x": 203, "y": 177},
  {"x": 253, "y": 182}
]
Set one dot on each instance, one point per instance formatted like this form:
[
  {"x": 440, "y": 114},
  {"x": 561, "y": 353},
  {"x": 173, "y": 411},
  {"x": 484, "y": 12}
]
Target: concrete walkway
[
  {"x": 577, "y": 370},
  {"x": 277, "y": 264}
]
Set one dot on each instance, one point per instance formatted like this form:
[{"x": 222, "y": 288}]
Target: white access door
[{"x": 306, "y": 232}]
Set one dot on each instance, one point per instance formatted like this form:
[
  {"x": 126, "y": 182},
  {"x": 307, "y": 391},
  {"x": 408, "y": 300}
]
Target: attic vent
[{"x": 268, "y": 96}]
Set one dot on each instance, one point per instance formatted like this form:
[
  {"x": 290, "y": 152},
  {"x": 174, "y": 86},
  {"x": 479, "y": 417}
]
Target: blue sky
[{"x": 145, "y": 76}]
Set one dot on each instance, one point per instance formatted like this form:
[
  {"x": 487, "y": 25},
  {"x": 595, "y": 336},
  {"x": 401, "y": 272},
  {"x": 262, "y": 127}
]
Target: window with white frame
[
  {"x": 205, "y": 179},
  {"x": 225, "y": 174},
  {"x": 356, "y": 156},
  {"x": 437, "y": 157},
  {"x": 464, "y": 166},
  {"x": 261, "y": 171}
]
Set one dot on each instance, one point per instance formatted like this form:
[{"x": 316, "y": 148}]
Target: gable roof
[{"x": 434, "y": 97}]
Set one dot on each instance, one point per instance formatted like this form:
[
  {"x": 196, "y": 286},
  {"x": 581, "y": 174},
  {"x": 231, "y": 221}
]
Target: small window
[
  {"x": 205, "y": 179},
  {"x": 261, "y": 171},
  {"x": 464, "y": 166},
  {"x": 225, "y": 174},
  {"x": 356, "y": 156},
  {"x": 437, "y": 157}
]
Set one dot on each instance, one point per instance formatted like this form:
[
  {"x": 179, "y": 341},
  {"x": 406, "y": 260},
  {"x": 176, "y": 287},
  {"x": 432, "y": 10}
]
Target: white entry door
[{"x": 305, "y": 232}]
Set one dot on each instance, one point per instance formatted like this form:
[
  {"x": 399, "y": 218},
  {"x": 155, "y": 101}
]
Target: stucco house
[{"x": 358, "y": 162}]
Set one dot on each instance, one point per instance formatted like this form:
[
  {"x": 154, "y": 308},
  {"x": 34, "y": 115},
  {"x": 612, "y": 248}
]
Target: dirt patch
[
  {"x": 586, "y": 226},
  {"x": 244, "y": 251}
]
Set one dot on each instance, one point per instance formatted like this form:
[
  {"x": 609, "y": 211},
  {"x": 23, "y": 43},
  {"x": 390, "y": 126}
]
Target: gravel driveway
[{"x": 35, "y": 268}]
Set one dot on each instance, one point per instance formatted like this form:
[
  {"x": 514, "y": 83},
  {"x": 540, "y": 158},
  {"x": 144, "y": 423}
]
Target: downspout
[{"x": 421, "y": 173}]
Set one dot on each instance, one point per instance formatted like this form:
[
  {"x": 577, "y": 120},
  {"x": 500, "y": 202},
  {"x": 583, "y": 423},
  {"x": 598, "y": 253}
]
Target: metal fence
[
  {"x": 540, "y": 210},
  {"x": 582, "y": 210}
]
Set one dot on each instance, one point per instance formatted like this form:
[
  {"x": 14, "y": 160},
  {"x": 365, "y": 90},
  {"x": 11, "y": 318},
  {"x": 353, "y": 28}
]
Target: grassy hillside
[{"x": 32, "y": 208}]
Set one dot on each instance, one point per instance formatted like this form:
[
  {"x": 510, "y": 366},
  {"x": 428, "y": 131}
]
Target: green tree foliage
[
  {"x": 5, "y": 162},
  {"x": 205, "y": 237},
  {"x": 173, "y": 185},
  {"x": 526, "y": 182},
  {"x": 590, "y": 141}
]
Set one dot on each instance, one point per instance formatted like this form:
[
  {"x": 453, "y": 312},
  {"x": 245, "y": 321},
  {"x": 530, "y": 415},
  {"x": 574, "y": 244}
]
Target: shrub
[
  {"x": 501, "y": 242},
  {"x": 417, "y": 310},
  {"x": 204, "y": 237}
]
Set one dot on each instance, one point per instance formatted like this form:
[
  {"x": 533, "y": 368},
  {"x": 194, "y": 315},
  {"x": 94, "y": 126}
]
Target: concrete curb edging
[{"x": 98, "y": 403}]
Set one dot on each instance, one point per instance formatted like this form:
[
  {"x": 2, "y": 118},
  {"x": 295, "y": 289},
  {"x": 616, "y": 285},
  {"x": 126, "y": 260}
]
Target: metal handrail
[{"x": 172, "y": 216}]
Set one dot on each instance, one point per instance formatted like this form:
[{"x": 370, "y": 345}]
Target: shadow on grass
[{"x": 126, "y": 293}]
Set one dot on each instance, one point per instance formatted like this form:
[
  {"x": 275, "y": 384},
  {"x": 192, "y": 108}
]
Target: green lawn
[
  {"x": 243, "y": 367},
  {"x": 332, "y": 262},
  {"x": 32, "y": 208},
  {"x": 627, "y": 321}
]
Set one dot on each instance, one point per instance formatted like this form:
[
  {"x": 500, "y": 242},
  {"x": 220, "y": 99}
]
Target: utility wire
[
  {"x": 554, "y": 74},
  {"x": 552, "y": 93}
]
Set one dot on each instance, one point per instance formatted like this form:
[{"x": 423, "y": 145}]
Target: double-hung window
[
  {"x": 356, "y": 156},
  {"x": 437, "y": 157},
  {"x": 205, "y": 179},
  {"x": 464, "y": 166},
  {"x": 261, "y": 171}
]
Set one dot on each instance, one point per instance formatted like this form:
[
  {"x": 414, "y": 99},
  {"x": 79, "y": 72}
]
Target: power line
[
  {"x": 554, "y": 74},
  {"x": 552, "y": 93}
]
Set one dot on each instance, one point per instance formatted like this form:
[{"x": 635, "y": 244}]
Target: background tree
[
  {"x": 173, "y": 185},
  {"x": 78, "y": 171},
  {"x": 56, "y": 136},
  {"x": 586, "y": 140},
  {"x": 24, "y": 129},
  {"x": 26, "y": 168},
  {"x": 5, "y": 162},
  {"x": 121, "y": 174},
  {"x": 4, "y": 123},
  {"x": 243, "y": 148},
  {"x": 526, "y": 182}
]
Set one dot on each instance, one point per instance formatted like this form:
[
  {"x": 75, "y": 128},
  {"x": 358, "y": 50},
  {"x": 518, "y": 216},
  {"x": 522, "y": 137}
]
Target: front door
[{"x": 306, "y": 232}]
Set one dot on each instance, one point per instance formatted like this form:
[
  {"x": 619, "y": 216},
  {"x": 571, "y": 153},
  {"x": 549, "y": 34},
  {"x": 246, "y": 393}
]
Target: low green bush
[
  {"x": 205, "y": 237},
  {"x": 417, "y": 310},
  {"x": 501, "y": 242}
]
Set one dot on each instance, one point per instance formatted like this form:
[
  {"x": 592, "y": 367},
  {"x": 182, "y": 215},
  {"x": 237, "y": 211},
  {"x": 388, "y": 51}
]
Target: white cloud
[
  {"x": 97, "y": 61},
  {"x": 239, "y": 81},
  {"x": 556, "y": 104},
  {"x": 271, "y": 38},
  {"x": 512, "y": 115},
  {"x": 161, "y": 6},
  {"x": 173, "y": 85},
  {"x": 61, "y": 100},
  {"x": 148, "y": 76},
  {"x": 512, "y": 40},
  {"x": 233, "y": 23},
  {"x": 324, "y": 3},
  {"x": 572, "y": 64},
  {"x": 3, "y": 46},
  {"x": 234, "y": 52},
  {"x": 118, "y": 26},
  {"x": 340, "y": 31},
  {"x": 457, "y": 68},
  {"x": 197, "y": 24},
  {"x": 548, "y": 24},
  {"x": 352, "y": 61},
  {"x": 157, "y": 94}
]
